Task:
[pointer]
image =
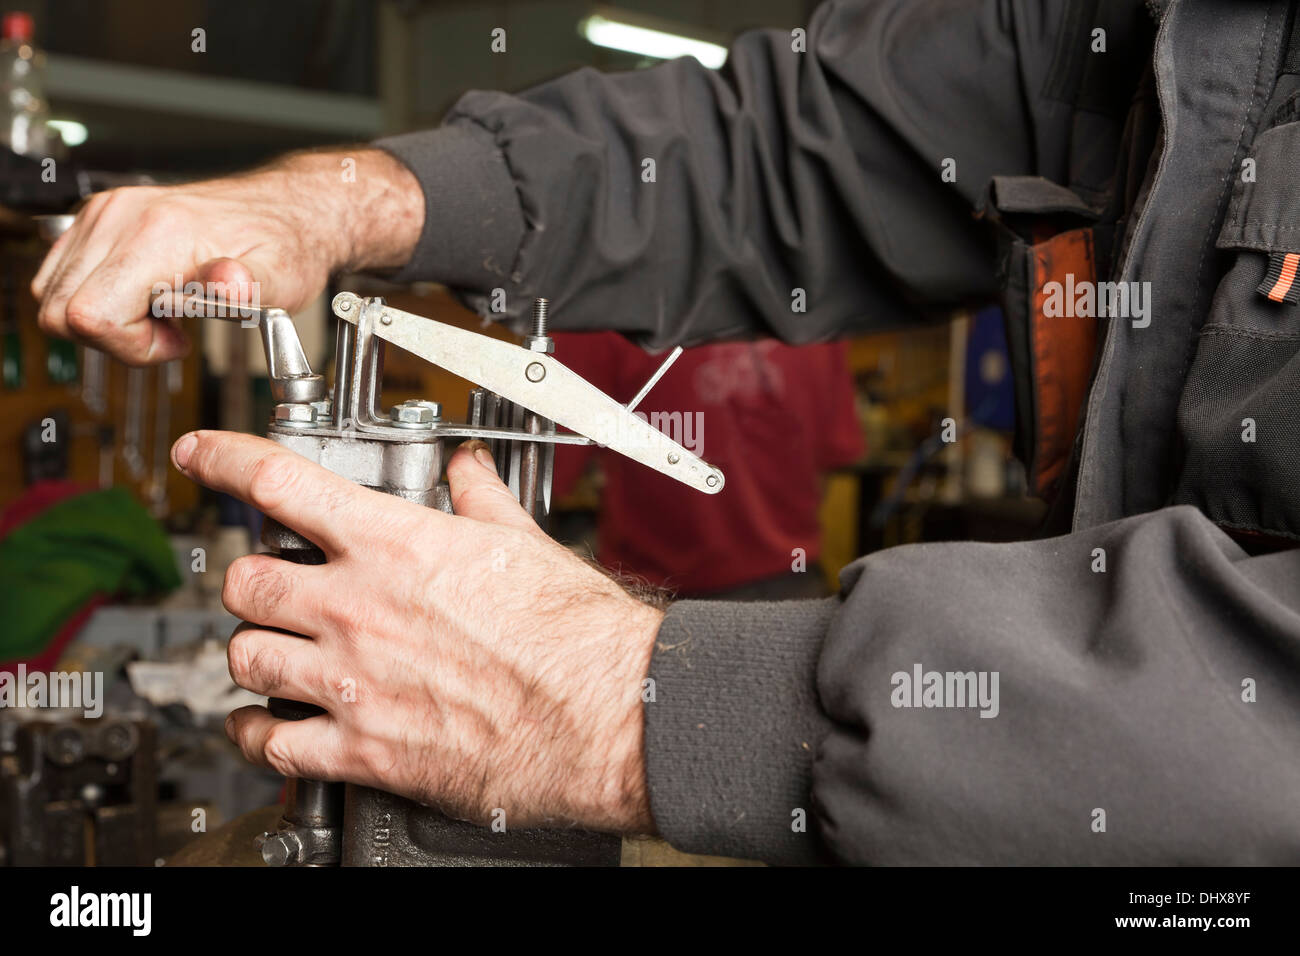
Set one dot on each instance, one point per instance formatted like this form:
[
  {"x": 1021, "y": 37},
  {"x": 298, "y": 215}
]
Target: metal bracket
[{"x": 531, "y": 379}]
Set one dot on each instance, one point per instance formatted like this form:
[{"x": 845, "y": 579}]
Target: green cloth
[{"x": 99, "y": 542}]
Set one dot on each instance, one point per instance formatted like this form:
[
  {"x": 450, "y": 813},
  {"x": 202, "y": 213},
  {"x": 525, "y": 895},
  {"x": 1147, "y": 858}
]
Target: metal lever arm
[
  {"x": 536, "y": 381},
  {"x": 291, "y": 378}
]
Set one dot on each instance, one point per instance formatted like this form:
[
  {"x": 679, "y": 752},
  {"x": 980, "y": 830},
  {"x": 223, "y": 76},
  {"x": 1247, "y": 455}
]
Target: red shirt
[{"x": 773, "y": 417}]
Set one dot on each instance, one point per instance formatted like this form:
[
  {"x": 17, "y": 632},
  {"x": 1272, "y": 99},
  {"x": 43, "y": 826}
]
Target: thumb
[{"x": 477, "y": 492}]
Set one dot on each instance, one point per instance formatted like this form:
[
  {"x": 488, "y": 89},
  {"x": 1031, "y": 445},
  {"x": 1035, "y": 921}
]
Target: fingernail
[
  {"x": 230, "y": 726},
  {"x": 183, "y": 448},
  {"x": 482, "y": 455}
]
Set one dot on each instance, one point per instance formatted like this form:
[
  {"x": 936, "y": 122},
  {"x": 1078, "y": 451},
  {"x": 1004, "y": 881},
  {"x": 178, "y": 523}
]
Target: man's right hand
[{"x": 286, "y": 227}]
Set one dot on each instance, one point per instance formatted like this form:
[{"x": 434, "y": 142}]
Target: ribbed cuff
[
  {"x": 473, "y": 223},
  {"x": 733, "y": 727}
]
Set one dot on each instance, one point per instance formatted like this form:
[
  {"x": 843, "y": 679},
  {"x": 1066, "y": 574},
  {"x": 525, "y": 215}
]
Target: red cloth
[
  {"x": 36, "y": 499},
  {"x": 773, "y": 417}
]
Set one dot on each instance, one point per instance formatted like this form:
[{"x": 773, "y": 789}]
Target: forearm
[{"x": 359, "y": 203}]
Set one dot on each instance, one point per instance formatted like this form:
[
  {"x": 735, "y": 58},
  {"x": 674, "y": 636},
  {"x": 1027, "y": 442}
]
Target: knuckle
[
  {"x": 209, "y": 448},
  {"x": 272, "y": 481},
  {"x": 375, "y": 759},
  {"x": 259, "y": 669},
  {"x": 95, "y": 205},
  {"x": 237, "y": 657},
  {"x": 268, "y": 669},
  {"x": 279, "y": 753},
  {"x": 158, "y": 215},
  {"x": 336, "y": 498},
  {"x": 120, "y": 199},
  {"x": 82, "y": 317},
  {"x": 480, "y": 496},
  {"x": 110, "y": 197},
  {"x": 246, "y": 741},
  {"x": 255, "y": 588},
  {"x": 52, "y": 316}
]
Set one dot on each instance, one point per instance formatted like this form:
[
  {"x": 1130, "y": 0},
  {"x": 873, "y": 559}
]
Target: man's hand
[
  {"x": 466, "y": 661},
  {"x": 286, "y": 227}
]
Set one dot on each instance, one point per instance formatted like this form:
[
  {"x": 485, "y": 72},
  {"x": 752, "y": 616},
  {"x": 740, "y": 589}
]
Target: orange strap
[{"x": 1062, "y": 349}]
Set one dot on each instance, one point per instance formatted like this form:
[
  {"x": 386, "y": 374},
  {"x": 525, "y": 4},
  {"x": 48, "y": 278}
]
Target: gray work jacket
[{"x": 1148, "y": 705}]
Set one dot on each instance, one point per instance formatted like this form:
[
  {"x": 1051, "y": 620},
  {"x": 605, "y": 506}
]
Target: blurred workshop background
[{"x": 111, "y": 562}]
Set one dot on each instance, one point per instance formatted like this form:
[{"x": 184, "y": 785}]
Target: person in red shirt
[{"x": 773, "y": 417}]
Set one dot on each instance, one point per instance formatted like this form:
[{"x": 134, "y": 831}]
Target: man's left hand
[{"x": 466, "y": 661}]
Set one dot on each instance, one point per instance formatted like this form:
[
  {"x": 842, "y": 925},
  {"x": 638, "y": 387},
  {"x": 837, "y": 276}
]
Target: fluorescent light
[
  {"x": 663, "y": 46},
  {"x": 72, "y": 132}
]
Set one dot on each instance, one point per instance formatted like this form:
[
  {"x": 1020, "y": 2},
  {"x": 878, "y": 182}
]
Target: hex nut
[
  {"x": 415, "y": 414},
  {"x": 295, "y": 414},
  {"x": 281, "y": 849}
]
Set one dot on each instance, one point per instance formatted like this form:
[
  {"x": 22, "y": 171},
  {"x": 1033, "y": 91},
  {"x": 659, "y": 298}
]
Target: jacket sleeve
[
  {"x": 1145, "y": 709},
  {"x": 813, "y": 187}
]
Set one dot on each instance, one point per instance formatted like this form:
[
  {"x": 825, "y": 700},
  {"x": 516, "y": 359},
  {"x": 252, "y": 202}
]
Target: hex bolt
[
  {"x": 540, "y": 309},
  {"x": 539, "y": 339},
  {"x": 281, "y": 849},
  {"x": 415, "y": 414},
  {"x": 295, "y": 415}
]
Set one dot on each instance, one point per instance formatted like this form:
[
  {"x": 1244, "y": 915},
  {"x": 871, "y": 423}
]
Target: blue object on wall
[{"x": 990, "y": 394}]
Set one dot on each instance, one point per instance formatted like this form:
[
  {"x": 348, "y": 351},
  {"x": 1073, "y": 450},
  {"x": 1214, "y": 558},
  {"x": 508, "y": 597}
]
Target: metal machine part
[
  {"x": 76, "y": 791},
  {"x": 523, "y": 394},
  {"x": 528, "y": 377}
]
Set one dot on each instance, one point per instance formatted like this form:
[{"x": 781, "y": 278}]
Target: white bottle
[{"x": 22, "y": 88}]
